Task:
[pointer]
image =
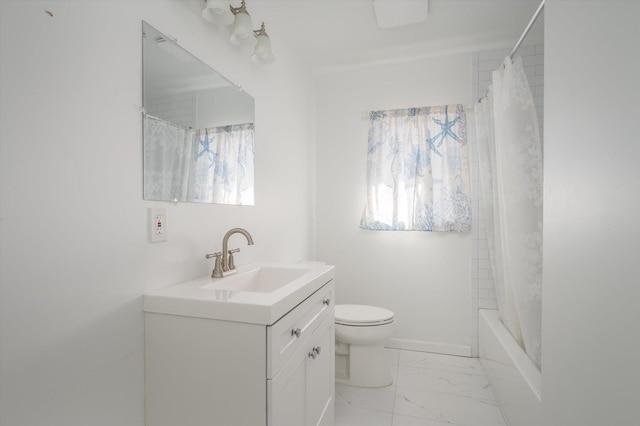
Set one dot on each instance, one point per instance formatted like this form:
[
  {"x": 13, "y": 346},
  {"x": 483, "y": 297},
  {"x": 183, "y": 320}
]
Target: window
[{"x": 418, "y": 170}]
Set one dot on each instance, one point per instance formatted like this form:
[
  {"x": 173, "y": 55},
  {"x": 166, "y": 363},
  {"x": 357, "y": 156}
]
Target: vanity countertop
[{"x": 259, "y": 293}]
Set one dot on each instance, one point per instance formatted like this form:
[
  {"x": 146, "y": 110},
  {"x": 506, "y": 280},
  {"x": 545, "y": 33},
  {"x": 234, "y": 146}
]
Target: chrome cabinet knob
[
  {"x": 314, "y": 352},
  {"x": 296, "y": 332}
]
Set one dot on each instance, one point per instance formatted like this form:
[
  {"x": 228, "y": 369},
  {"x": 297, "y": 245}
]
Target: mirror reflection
[{"x": 198, "y": 128}]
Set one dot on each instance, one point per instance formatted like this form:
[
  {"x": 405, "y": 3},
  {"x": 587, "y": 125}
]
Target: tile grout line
[{"x": 395, "y": 387}]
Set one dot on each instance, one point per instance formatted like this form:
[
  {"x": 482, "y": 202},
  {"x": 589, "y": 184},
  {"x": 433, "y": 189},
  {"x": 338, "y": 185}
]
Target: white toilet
[{"x": 361, "y": 332}]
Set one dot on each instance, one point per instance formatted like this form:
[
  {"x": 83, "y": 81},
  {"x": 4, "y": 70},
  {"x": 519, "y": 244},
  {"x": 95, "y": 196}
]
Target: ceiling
[{"x": 332, "y": 34}]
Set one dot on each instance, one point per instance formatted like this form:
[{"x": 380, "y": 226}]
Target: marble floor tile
[
  {"x": 453, "y": 409},
  {"x": 441, "y": 362},
  {"x": 428, "y": 390},
  {"x": 400, "y": 420},
  {"x": 380, "y": 399},
  {"x": 448, "y": 382},
  {"x": 354, "y": 416}
]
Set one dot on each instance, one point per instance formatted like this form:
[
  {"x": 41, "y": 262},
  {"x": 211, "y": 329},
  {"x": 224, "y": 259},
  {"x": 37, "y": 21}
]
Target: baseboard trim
[{"x": 432, "y": 347}]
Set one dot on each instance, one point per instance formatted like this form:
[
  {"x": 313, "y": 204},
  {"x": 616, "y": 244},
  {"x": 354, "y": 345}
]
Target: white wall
[
  {"x": 423, "y": 277},
  {"x": 75, "y": 259},
  {"x": 591, "y": 299}
]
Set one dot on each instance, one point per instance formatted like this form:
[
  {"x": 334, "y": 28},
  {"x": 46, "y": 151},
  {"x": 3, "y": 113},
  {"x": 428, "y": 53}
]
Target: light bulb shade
[
  {"x": 243, "y": 30},
  {"x": 218, "y": 12},
  {"x": 262, "y": 53}
]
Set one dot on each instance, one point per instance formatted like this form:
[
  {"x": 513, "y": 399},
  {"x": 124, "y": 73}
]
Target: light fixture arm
[
  {"x": 215, "y": 11},
  {"x": 261, "y": 32},
  {"x": 241, "y": 9}
]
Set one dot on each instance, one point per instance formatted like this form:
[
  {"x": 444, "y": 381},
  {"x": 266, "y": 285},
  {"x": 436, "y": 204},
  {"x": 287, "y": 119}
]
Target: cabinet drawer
[{"x": 294, "y": 329}]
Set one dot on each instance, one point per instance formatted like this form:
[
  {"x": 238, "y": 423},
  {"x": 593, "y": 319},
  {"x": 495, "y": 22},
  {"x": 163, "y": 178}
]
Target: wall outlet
[{"x": 157, "y": 224}]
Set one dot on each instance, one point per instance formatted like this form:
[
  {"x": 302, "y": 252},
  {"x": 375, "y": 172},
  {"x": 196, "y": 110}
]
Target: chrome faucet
[{"x": 224, "y": 260}]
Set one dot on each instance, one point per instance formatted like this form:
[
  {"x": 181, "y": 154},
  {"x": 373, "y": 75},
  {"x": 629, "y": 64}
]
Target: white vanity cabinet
[{"x": 203, "y": 371}]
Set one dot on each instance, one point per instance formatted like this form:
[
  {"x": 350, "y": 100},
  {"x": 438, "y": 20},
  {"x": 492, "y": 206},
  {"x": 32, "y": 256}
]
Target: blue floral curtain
[
  {"x": 418, "y": 170},
  {"x": 221, "y": 169}
]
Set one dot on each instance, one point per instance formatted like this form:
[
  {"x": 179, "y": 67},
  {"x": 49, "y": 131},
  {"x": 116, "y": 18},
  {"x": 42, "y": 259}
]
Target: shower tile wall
[
  {"x": 483, "y": 294},
  {"x": 179, "y": 109}
]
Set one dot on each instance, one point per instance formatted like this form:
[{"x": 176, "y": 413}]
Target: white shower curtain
[
  {"x": 166, "y": 156},
  {"x": 510, "y": 157}
]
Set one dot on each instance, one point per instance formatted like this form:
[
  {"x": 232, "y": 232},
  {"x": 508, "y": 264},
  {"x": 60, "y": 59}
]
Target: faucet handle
[
  {"x": 217, "y": 269},
  {"x": 232, "y": 266}
]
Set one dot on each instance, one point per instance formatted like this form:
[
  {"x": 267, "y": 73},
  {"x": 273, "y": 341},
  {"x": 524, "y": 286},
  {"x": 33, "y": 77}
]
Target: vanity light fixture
[
  {"x": 242, "y": 34},
  {"x": 262, "y": 53},
  {"x": 220, "y": 12}
]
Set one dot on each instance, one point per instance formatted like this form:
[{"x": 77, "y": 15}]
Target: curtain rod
[
  {"x": 145, "y": 114},
  {"x": 526, "y": 30},
  {"x": 367, "y": 113}
]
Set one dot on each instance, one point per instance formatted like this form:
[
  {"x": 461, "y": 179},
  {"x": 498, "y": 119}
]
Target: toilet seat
[{"x": 362, "y": 315}]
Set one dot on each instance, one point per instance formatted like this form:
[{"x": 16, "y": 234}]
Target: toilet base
[{"x": 366, "y": 366}]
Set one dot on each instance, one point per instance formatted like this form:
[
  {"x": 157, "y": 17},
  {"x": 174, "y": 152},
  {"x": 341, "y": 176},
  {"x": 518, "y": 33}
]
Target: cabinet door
[
  {"x": 302, "y": 393},
  {"x": 287, "y": 393},
  {"x": 320, "y": 377}
]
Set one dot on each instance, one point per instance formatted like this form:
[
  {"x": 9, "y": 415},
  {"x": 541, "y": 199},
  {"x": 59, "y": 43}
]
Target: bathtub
[{"x": 515, "y": 380}]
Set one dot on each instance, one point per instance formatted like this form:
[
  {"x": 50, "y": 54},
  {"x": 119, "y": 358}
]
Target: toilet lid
[{"x": 362, "y": 315}]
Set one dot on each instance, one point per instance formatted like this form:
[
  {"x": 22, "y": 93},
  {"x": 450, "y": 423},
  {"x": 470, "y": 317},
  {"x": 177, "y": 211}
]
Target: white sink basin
[
  {"x": 259, "y": 294},
  {"x": 265, "y": 279}
]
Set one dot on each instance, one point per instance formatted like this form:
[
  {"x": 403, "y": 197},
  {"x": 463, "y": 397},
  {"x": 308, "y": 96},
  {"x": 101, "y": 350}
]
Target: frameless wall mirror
[{"x": 198, "y": 128}]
